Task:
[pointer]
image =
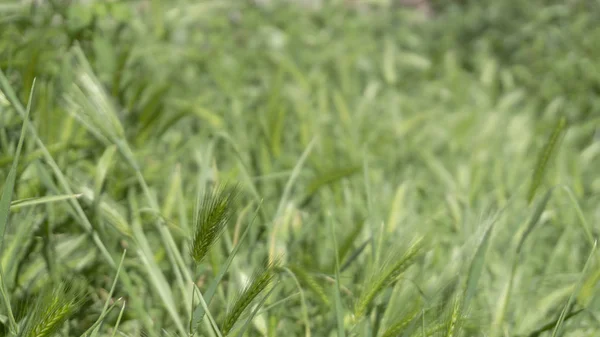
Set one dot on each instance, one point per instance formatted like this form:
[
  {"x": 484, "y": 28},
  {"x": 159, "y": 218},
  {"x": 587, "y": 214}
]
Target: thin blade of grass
[
  {"x": 157, "y": 278},
  {"x": 565, "y": 310},
  {"x": 9, "y": 184},
  {"x": 477, "y": 263},
  {"x": 504, "y": 299},
  {"x": 325, "y": 179},
  {"x": 535, "y": 218},
  {"x": 21, "y": 203},
  {"x": 544, "y": 157},
  {"x": 109, "y": 296},
  {"x": 5, "y": 201},
  {"x": 295, "y": 173},
  {"x": 116, "y": 327},
  {"x": 339, "y": 308},
  {"x": 551, "y": 325},
  {"x": 302, "y": 301}
]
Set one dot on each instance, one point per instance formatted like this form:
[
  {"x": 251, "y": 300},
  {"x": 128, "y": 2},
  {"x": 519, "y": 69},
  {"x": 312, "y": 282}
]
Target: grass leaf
[
  {"x": 5, "y": 200},
  {"x": 544, "y": 157}
]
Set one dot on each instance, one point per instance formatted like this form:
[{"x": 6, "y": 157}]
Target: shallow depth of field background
[{"x": 352, "y": 128}]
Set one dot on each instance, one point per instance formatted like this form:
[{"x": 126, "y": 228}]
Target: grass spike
[
  {"x": 52, "y": 309},
  {"x": 398, "y": 327},
  {"x": 386, "y": 274},
  {"x": 544, "y": 157},
  {"x": 260, "y": 280},
  {"x": 212, "y": 215}
]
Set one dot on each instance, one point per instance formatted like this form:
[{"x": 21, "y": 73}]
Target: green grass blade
[
  {"x": 534, "y": 220},
  {"x": 305, "y": 317},
  {"x": 565, "y": 312},
  {"x": 9, "y": 184},
  {"x": 116, "y": 327},
  {"x": 544, "y": 157},
  {"x": 22, "y": 203},
  {"x": 156, "y": 276},
  {"x": 105, "y": 309},
  {"x": 325, "y": 179},
  {"x": 5, "y": 202},
  {"x": 295, "y": 173},
  {"x": 551, "y": 325},
  {"x": 339, "y": 307},
  {"x": 477, "y": 264}
]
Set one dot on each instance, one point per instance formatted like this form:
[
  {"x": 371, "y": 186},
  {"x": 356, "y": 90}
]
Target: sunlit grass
[{"x": 221, "y": 169}]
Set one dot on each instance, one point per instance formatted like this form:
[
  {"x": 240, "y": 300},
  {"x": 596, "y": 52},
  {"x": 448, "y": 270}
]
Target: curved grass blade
[
  {"x": 551, "y": 325},
  {"x": 325, "y": 179}
]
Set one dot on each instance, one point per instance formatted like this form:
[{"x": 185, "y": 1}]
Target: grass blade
[
  {"x": 565, "y": 310},
  {"x": 5, "y": 202},
  {"x": 339, "y": 307},
  {"x": 477, "y": 263},
  {"x": 18, "y": 204},
  {"x": 544, "y": 157}
]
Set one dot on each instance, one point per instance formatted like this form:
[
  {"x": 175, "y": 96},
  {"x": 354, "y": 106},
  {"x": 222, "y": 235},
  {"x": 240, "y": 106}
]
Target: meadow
[{"x": 221, "y": 168}]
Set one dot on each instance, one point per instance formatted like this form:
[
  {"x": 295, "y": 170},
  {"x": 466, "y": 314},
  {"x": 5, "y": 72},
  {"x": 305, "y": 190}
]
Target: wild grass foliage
[{"x": 390, "y": 177}]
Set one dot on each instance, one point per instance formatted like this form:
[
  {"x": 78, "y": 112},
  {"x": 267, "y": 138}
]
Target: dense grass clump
[{"x": 275, "y": 169}]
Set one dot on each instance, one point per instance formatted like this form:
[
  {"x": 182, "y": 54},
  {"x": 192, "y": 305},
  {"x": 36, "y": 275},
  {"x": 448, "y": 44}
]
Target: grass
[{"x": 225, "y": 169}]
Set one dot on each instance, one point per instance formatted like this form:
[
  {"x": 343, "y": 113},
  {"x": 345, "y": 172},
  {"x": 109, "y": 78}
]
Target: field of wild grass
[{"x": 218, "y": 168}]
